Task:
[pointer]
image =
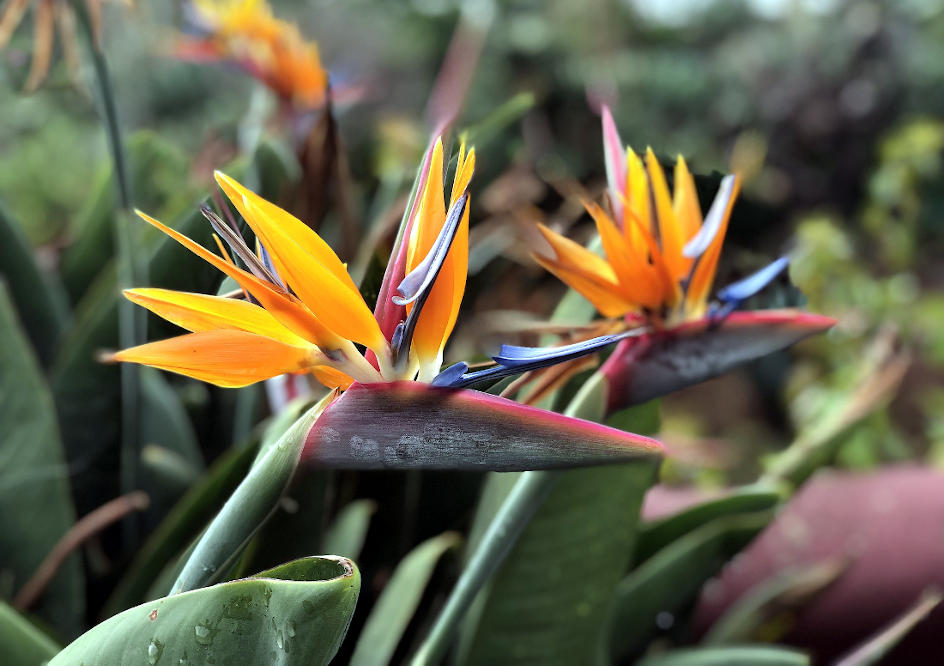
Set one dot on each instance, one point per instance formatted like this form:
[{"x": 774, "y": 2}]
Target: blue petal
[
  {"x": 512, "y": 356},
  {"x": 451, "y": 374},
  {"x": 416, "y": 286},
  {"x": 422, "y": 277},
  {"x": 752, "y": 284},
  {"x": 514, "y": 360},
  {"x": 712, "y": 224}
]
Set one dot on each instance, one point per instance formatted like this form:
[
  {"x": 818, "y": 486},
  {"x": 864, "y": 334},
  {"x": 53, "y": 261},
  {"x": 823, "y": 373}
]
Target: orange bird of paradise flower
[
  {"x": 48, "y": 14},
  {"x": 660, "y": 256},
  {"x": 304, "y": 314},
  {"x": 246, "y": 33}
]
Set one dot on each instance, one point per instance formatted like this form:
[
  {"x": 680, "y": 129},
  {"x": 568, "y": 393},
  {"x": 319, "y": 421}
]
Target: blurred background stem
[{"x": 130, "y": 271}]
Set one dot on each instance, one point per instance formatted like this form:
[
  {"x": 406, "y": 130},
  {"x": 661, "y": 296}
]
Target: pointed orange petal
[
  {"x": 576, "y": 258},
  {"x": 431, "y": 213},
  {"x": 43, "y": 30},
  {"x": 604, "y": 295},
  {"x": 331, "y": 377},
  {"x": 639, "y": 282},
  {"x": 223, "y": 357},
  {"x": 697, "y": 293},
  {"x": 290, "y": 226},
  {"x": 12, "y": 15},
  {"x": 671, "y": 289},
  {"x": 335, "y": 304},
  {"x": 687, "y": 208},
  {"x": 200, "y": 312},
  {"x": 670, "y": 234},
  {"x": 292, "y": 314},
  {"x": 637, "y": 203}
]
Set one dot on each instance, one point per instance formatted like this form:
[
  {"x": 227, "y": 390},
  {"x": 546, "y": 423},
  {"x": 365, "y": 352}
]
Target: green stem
[
  {"x": 131, "y": 321},
  {"x": 514, "y": 515}
]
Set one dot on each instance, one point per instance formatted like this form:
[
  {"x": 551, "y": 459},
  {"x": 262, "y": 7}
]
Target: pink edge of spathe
[
  {"x": 387, "y": 313},
  {"x": 806, "y": 324},
  {"x": 492, "y": 404},
  {"x": 615, "y": 161}
]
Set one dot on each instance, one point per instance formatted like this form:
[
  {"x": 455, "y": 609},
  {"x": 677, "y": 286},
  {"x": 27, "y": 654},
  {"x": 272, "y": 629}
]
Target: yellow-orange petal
[
  {"x": 638, "y": 280},
  {"x": 336, "y": 305},
  {"x": 604, "y": 295},
  {"x": 697, "y": 293},
  {"x": 290, "y": 225},
  {"x": 637, "y": 203},
  {"x": 12, "y": 15},
  {"x": 576, "y": 258},
  {"x": 223, "y": 357},
  {"x": 670, "y": 234},
  {"x": 441, "y": 309},
  {"x": 331, "y": 377},
  {"x": 687, "y": 208},
  {"x": 201, "y": 312},
  {"x": 284, "y": 307},
  {"x": 43, "y": 32}
]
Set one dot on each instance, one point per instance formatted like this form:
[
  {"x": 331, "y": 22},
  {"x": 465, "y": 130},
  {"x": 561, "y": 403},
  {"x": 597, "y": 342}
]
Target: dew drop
[
  {"x": 203, "y": 633},
  {"x": 280, "y": 640},
  {"x": 154, "y": 651},
  {"x": 290, "y": 629}
]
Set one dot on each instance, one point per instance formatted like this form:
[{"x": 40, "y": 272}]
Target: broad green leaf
[
  {"x": 179, "y": 528},
  {"x": 743, "y": 655},
  {"x": 248, "y": 507},
  {"x": 399, "y": 600},
  {"x": 21, "y": 643},
  {"x": 39, "y": 300},
  {"x": 296, "y": 613},
  {"x": 652, "y": 596},
  {"x": 347, "y": 533},
  {"x": 549, "y": 601},
  {"x": 160, "y": 183},
  {"x": 657, "y": 534},
  {"x": 34, "y": 480},
  {"x": 166, "y": 422}
]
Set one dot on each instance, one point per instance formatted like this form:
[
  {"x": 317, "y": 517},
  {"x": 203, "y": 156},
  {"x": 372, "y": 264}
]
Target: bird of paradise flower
[
  {"x": 302, "y": 312},
  {"x": 653, "y": 283},
  {"x": 47, "y": 16},
  {"x": 246, "y": 33}
]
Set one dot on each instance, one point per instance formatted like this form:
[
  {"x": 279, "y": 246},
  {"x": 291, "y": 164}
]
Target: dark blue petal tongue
[{"x": 514, "y": 360}]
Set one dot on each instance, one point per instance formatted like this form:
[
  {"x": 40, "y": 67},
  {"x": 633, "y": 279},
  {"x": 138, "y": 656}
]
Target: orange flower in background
[
  {"x": 47, "y": 16},
  {"x": 661, "y": 255},
  {"x": 246, "y": 33},
  {"x": 303, "y": 312}
]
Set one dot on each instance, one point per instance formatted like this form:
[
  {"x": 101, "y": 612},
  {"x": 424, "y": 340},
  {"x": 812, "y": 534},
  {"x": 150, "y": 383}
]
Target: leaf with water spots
[{"x": 296, "y": 613}]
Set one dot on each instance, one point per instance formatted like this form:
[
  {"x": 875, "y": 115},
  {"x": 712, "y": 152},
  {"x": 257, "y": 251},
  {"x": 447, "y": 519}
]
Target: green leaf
[
  {"x": 166, "y": 422},
  {"x": 399, "y": 600},
  {"x": 347, "y": 533},
  {"x": 40, "y": 300},
  {"x": 651, "y": 597},
  {"x": 180, "y": 527},
  {"x": 248, "y": 507},
  {"x": 296, "y": 613},
  {"x": 160, "y": 182},
  {"x": 21, "y": 643},
  {"x": 742, "y": 655},
  {"x": 549, "y": 601},
  {"x": 34, "y": 480},
  {"x": 657, "y": 534}
]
